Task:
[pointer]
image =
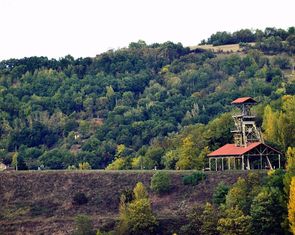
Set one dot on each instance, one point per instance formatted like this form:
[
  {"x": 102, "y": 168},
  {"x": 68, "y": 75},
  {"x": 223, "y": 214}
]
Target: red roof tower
[{"x": 248, "y": 142}]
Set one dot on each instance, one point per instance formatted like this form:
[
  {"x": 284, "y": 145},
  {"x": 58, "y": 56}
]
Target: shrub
[
  {"x": 83, "y": 225},
  {"x": 160, "y": 182},
  {"x": 194, "y": 178},
  {"x": 220, "y": 193},
  {"x": 80, "y": 199},
  {"x": 84, "y": 166}
]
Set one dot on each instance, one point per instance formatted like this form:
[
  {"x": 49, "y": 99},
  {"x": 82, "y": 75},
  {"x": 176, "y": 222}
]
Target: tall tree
[{"x": 291, "y": 206}]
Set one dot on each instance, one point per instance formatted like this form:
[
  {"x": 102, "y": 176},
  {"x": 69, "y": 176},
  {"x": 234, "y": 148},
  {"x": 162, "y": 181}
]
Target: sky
[{"x": 82, "y": 28}]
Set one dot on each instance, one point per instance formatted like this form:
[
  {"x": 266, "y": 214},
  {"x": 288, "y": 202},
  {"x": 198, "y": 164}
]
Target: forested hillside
[{"x": 143, "y": 106}]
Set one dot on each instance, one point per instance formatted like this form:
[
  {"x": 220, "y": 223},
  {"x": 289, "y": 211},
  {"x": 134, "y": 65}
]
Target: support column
[
  {"x": 234, "y": 163},
  {"x": 279, "y": 160},
  {"x": 222, "y": 167},
  {"x": 248, "y": 163},
  {"x": 209, "y": 164},
  {"x": 269, "y": 163},
  {"x": 243, "y": 166},
  {"x": 261, "y": 161},
  {"x": 228, "y": 163},
  {"x": 215, "y": 164}
]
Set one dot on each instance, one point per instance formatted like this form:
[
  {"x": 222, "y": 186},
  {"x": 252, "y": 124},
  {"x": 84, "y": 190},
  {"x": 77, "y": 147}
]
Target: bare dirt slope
[{"x": 41, "y": 202}]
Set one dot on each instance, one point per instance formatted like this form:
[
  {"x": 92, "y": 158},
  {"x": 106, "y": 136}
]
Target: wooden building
[{"x": 248, "y": 150}]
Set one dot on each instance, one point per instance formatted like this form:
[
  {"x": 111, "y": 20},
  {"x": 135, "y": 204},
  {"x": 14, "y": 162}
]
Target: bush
[
  {"x": 194, "y": 178},
  {"x": 84, "y": 166},
  {"x": 80, "y": 199},
  {"x": 160, "y": 182},
  {"x": 220, "y": 193},
  {"x": 83, "y": 226}
]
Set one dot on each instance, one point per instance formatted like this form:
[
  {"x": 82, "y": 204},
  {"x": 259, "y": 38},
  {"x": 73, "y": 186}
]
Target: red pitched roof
[
  {"x": 242, "y": 100},
  {"x": 232, "y": 150}
]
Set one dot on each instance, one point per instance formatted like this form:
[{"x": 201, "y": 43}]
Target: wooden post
[
  {"x": 209, "y": 164},
  {"x": 215, "y": 164},
  {"x": 222, "y": 167},
  {"x": 243, "y": 167},
  {"x": 228, "y": 163},
  {"x": 260, "y": 161},
  {"x": 234, "y": 163},
  {"x": 268, "y": 161},
  {"x": 279, "y": 160},
  {"x": 248, "y": 163}
]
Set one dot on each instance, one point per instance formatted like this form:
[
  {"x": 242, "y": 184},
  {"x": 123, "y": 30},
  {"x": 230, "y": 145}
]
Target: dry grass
[
  {"x": 42, "y": 200},
  {"x": 221, "y": 48}
]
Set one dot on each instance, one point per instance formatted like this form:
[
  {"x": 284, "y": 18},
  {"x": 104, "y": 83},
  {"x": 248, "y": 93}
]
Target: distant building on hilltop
[{"x": 249, "y": 150}]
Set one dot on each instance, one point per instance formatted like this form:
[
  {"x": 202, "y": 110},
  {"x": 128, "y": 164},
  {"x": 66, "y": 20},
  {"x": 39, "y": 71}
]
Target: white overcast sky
[{"x": 55, "y": 28}]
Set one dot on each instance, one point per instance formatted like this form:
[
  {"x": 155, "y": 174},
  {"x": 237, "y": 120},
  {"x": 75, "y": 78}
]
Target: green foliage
[
  {"x": 117, "y": 164},
  {"x": 161, "y": 182},
  {"x": 209, "y": 219},
  {"x": 194, "y": 222},
  {"x": 80, "y": 198},
  {"x": 220, "y": 193},
  {"x": 140, "y": 217},
  {"x": 234, "y": 223},
  {"x": 194, "y": 178},
  {"x": 139, "y": 191},
  {"x": 266, "y": 212},
  {"x": 136, "y": 217},
  {"x": 162, "y": 102},
  {"x": 243, "y": 191},
  {"x": 278, "y": 125},
  {"x": 84, "y": 166},
  {"x": 57, "y": 159},
  {"x": 290, "y": 167},
  {"x": 83, "y": 226},
  {"x": 291, "y": 206}
]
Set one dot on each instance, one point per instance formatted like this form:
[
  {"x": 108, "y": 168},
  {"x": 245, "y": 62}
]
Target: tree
[
  {"x": 141, "y": 219},
  {"x": 209, "y": 220},
  {"x": 291, "y": 206},
  {"x": 220, "y": 193},
  {"x": 14, "y": 161},
  {"x": 290, "y": 167},
  {"x": 238, "y": 196},
  {"x": 57, "y": 159},
  {"x": 160, "y": 182},
  {"x": 194, "y": 222},
  {"x": 187, "y": 155},
  {"x": 267, "y": 212},
  {"x": 270, "y": 124},
  {"x": 117, "y": 164},
  {"x": 243, "y": 191},
  {"x": 234, "y": 223},
  {"x": 139, "y": 191},
  {"x": 136, "y": 217}
]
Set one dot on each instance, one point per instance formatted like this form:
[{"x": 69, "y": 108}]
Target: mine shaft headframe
[{"x": 244, "y": 104}]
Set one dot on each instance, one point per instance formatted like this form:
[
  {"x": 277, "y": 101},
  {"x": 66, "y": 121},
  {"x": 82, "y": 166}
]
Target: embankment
[{"x": 41, "y": 202}]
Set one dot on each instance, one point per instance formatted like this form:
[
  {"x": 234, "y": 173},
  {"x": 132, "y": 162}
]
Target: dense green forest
[
  {"x": 165, "y": 106},
  {"x": 160, "y": 105}
]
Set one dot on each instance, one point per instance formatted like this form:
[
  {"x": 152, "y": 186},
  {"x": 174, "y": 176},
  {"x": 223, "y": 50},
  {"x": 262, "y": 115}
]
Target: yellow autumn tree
[
  {"x": 291, "y": 206},
  {"x": 136, "y": 217},
  {"x": 290, "y": 167},
  {"x": 270, "y": 124},
  {"x": 187, "y": 155}
]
